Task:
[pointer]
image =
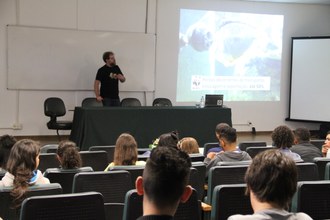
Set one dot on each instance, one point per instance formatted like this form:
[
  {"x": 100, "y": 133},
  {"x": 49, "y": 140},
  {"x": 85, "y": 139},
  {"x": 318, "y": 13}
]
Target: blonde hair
[
  {"x": 189, "y": 145},
  {"x": 126, "y": 150}
]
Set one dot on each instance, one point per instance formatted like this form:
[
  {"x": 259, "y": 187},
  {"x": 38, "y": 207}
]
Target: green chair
[{"x": 6, "y": 212}]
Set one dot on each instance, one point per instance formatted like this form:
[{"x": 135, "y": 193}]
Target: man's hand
[{"x": 99, "y": 98}]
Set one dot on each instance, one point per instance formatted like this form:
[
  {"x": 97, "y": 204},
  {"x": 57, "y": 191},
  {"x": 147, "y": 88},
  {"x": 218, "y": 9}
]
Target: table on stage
[{"x": 97, "y": 126}]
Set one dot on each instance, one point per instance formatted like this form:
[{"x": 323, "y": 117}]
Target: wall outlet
[{"x": 17, "y": 126}]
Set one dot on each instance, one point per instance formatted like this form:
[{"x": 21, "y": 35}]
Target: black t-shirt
[{"x": 109, "y": 85}]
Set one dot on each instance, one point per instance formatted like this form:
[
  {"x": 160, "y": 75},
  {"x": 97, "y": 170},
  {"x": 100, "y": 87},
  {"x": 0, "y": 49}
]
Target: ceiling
[{"x": 323, "y": 2}]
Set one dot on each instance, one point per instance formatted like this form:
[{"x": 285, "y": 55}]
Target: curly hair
[
  {"x": 21, "y": 163},
  {"x": 69, "y": 156},
  {"x": 6, "y": 143},
  {"x": 282, "y": 137}
]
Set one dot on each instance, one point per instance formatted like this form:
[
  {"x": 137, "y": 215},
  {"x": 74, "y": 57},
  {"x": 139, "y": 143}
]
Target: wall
[{"x": 141, "y": 16}]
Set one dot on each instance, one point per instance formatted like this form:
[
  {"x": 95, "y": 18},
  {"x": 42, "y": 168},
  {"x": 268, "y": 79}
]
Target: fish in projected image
[{"x": 232, "y": 44}]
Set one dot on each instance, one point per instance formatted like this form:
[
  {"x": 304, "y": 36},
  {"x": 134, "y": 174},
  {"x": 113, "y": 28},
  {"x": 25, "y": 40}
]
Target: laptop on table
[{"x": 213, "y": 100}]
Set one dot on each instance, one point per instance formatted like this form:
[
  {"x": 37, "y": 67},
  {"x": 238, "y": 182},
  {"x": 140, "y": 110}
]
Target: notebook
[{"x": 213, "y": 100}]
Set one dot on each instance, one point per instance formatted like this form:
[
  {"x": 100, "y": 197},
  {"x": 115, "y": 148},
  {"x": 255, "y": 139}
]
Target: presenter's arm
[
  {"x": 121, "y": 78},
  {"x": 97, "y": 90}
]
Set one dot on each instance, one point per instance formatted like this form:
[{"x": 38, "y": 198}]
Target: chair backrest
[
  {"x": 197, "y": 182},
  {"x": 114, "y": 211},
  {"x": 91, "y": 102},
  {"x": 162, "y": 102},
  {"x": 196, "y": 157},
  {"x": 135, "y": 171},
  {"x": 253, "y": 151},
  {"x": 87, "y": 205},
  {"x": 64, "y": 176},
  {"x": 134, "y": 207},
  {"x": 318, "y": 143},
  {"x": 220, "y": 175},
  {"x": 327, "y": 171},
  {"x": 98, "y": 160},
  {"x": 112, "y": 185},
  {"x": 245, "y": 144},
  {"x": 321, "y": 162},
  {"x": 48, "y": 160},
  {"x": 208, "y": 146},
  {"x": 130, "y": 102},
  {"x": 230, "y": 199},
  {"x": 109, "y": 149},
  {"x": 54, "y": 107},
  {"x": 49, "y": 148},
  {"x": 312, "y": 198},
  {"x": 307, "y": 171},
  {"x": 6, "y": 199}
]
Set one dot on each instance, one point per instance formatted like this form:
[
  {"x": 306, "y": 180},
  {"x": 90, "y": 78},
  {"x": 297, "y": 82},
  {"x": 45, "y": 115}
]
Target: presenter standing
[{"x": 106, "y": 81}]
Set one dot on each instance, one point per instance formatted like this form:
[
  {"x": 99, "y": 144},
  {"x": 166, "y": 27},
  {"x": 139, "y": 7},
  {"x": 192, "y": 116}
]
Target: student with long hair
[
  {"x": 22, "y": 170},
  {"x": 125, "y": 152},
  {"x": 68, "y": 155},
  {"x": 6, "y": 143}
]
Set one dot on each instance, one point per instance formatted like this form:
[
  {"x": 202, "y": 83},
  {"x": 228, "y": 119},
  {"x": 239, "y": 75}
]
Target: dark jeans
[{"x": 110, "y": 102}]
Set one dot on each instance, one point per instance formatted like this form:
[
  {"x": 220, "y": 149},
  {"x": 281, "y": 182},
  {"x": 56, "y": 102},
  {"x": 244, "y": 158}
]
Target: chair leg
[{"x": 58, "y": 136}]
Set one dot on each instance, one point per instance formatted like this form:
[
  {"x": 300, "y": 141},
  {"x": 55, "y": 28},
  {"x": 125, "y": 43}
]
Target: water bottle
[{"x": 202, "y": 102}]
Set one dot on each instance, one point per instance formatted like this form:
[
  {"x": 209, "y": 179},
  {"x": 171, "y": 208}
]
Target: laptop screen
[{"x": 213, "y": 100}]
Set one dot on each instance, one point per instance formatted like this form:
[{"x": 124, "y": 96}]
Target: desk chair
[
  {"x": 307, "y": 172},
  {"x": 54, "y": 107},
  {"x": 130, "y": 102},
  {"x": 245, "y": 144},
  {"x": 91, "y": 102},
  {"x": 6, "y": 199},
  {"x": 201, "y": 168},
  {"x": 80, "y": 206},
  {"x": 196, "y": 157},
  {"x": 321, "y": 162},
  {"x": 98, "y": 160},
  {"x": 312, "y": 198},
  {"x": 253, "y": 151},
  {"x": 318, "y": 143},
  {"x": 109, "y": 149},
  {"x": 162, "y": 102},
  {"x": 64, "y": 176},
  {"x": 134, "y": 170},
  {"x": 112, "y": 185},
  {"x": 48, "y": 160},
  {"x": 327, "y": 171},
  {"x": 228, "y": 200},
  {"x": 49, "y": 148},
  {"x": 220, "y": 175}
]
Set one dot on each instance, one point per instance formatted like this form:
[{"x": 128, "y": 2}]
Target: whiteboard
[{"x": 66, "y": 59}]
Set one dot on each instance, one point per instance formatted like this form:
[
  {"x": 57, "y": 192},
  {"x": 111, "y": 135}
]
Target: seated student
[
  {"x": 189, "y": 145},
  {"x": 170, "y": 139},
  {"x": 164, "y": 183},
  {"x": 283, "y": 138},
  {"x": 218, "y": 128},
  {"x": 326, "y": 145},
  {"x": 125, "y": 152},
  {"x": 271, "y": 183},
  {"x": 68, "y": 155},
  {"x": 303, "y": 146},
  {"x": 6, "y": 143},
  {"x": 227, "y": 138},
  {"x": 22, "y": 170}
]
